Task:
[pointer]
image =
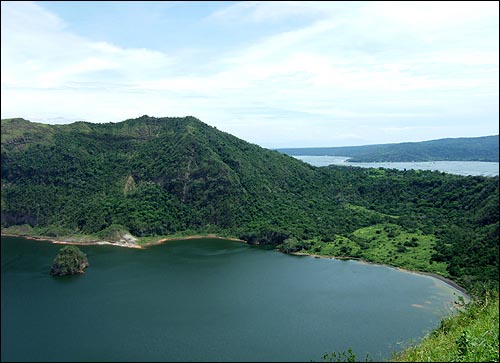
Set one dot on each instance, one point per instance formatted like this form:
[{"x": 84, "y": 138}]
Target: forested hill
[
  {"x": 152, "y": 175},
  {"x": 483, "y": 148},
  {"x": 163, "y": 176}
]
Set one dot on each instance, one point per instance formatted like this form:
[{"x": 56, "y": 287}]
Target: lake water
[
  {"x": 452, "y": 167},
  {"x": 208, "y": 300}
]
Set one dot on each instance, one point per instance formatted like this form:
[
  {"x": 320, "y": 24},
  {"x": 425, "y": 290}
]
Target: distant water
[
  {"x": 208, "y": 300},
  {"x": 453, "y": 167}
]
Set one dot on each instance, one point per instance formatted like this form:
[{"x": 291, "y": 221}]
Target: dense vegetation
[
  {"x": 69, "y": 261},
  {"x": 164, "y": 176},
  {"x": 483, "y": 148}
]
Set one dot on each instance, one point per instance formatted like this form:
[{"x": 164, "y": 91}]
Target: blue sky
[{"x": 278, "y": 74}]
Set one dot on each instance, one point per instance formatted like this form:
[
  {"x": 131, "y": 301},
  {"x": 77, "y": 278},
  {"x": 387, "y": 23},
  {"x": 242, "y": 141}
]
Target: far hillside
[{"x": 484, "y": 148}]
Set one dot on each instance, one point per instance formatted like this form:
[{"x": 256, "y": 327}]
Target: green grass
[
  {"x": 468, "y": 336},
  {"x": 19, "y": 131},
  {"x": 367, "y": 211},
  {"x": 384, "y": 243},
  {"x": 390, "y": 244},
  {"x": 340, "y": 246}
]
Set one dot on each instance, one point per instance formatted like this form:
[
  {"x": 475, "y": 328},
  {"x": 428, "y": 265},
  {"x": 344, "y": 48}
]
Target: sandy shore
[
  {"x": 77, "y": 241},
  {"x": 122, "y": 243}
]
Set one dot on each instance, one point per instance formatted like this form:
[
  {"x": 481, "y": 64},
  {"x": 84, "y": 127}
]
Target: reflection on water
[{"x": 208, "y": 300}]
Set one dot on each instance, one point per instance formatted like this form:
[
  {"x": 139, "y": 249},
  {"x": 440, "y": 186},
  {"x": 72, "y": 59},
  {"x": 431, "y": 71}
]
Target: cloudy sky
[{"x": 278, "y": 74}]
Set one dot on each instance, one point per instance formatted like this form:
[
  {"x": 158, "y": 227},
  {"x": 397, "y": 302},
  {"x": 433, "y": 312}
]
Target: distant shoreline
[
  {"x": 487, "y": 169},
  {"x": 92, "y": 242},
  {"x": 197, "y": 236},
  {"x": 446, "y": 280}
]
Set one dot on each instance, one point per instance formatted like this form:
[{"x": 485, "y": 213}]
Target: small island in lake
[{"x": 69, "y": 261}]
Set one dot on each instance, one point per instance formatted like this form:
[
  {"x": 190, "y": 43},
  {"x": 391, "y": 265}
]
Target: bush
[
  {"x": 292, "y": 244},
  {"x": 114, "y": 232},
  {"x": 411, "y": 243},
  {"x": 401, "y": 249}
]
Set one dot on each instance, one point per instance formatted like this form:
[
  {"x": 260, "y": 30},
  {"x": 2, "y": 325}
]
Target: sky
[{"x": 277, "y": 74}]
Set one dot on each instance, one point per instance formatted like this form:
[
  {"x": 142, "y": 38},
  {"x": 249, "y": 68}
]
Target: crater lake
[{"x": 209, "y": 300}]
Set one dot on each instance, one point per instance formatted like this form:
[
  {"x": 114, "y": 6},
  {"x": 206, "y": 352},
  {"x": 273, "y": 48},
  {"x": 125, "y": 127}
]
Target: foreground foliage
[
  {"x": 469, "y": 336},
  {"x": 344, "y": 356}
]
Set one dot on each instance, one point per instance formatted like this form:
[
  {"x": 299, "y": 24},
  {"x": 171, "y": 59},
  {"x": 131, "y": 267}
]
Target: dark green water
[{"x": 208, "y": 300}]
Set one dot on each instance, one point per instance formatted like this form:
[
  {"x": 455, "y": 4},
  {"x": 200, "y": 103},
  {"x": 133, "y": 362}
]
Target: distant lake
[
  {"x": 453, "y": 167},
  {"x": 208, "y": 300}
]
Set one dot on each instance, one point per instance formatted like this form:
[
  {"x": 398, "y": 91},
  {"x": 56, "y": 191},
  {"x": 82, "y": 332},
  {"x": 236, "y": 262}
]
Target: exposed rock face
[
  {"x": 129, "y": 185},
  {"x": 119, "y": 235},
  {"x": 15, "y": 218},
  {"x": 128, "y": 239},
  {"x": 70, "y": 260}
]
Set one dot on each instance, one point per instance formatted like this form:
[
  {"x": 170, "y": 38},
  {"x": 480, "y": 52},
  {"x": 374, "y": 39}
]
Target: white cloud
[
  {"x": 429, "y": 16},
  {"x": 45, "y": 55},
  {"x": 351, "y": 63},
  {"x": 270, "y": 11}
]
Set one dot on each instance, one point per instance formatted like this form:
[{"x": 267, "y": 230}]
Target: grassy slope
[{"x": 384, "y": 243}]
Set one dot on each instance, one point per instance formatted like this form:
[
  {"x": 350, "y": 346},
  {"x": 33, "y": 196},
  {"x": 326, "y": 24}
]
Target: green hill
[
  {"x": 483, "y": 148},
  {"x": 156, "y": 177}
]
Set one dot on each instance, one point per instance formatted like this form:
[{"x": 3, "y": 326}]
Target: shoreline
[
  {"x": 69, "y": 241},
  {"x": 196, "y": 236},
  {"x": 126, "y": 244},
  {"x": 446, "y": 280},
  {"x": 122, "y": 243}
]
